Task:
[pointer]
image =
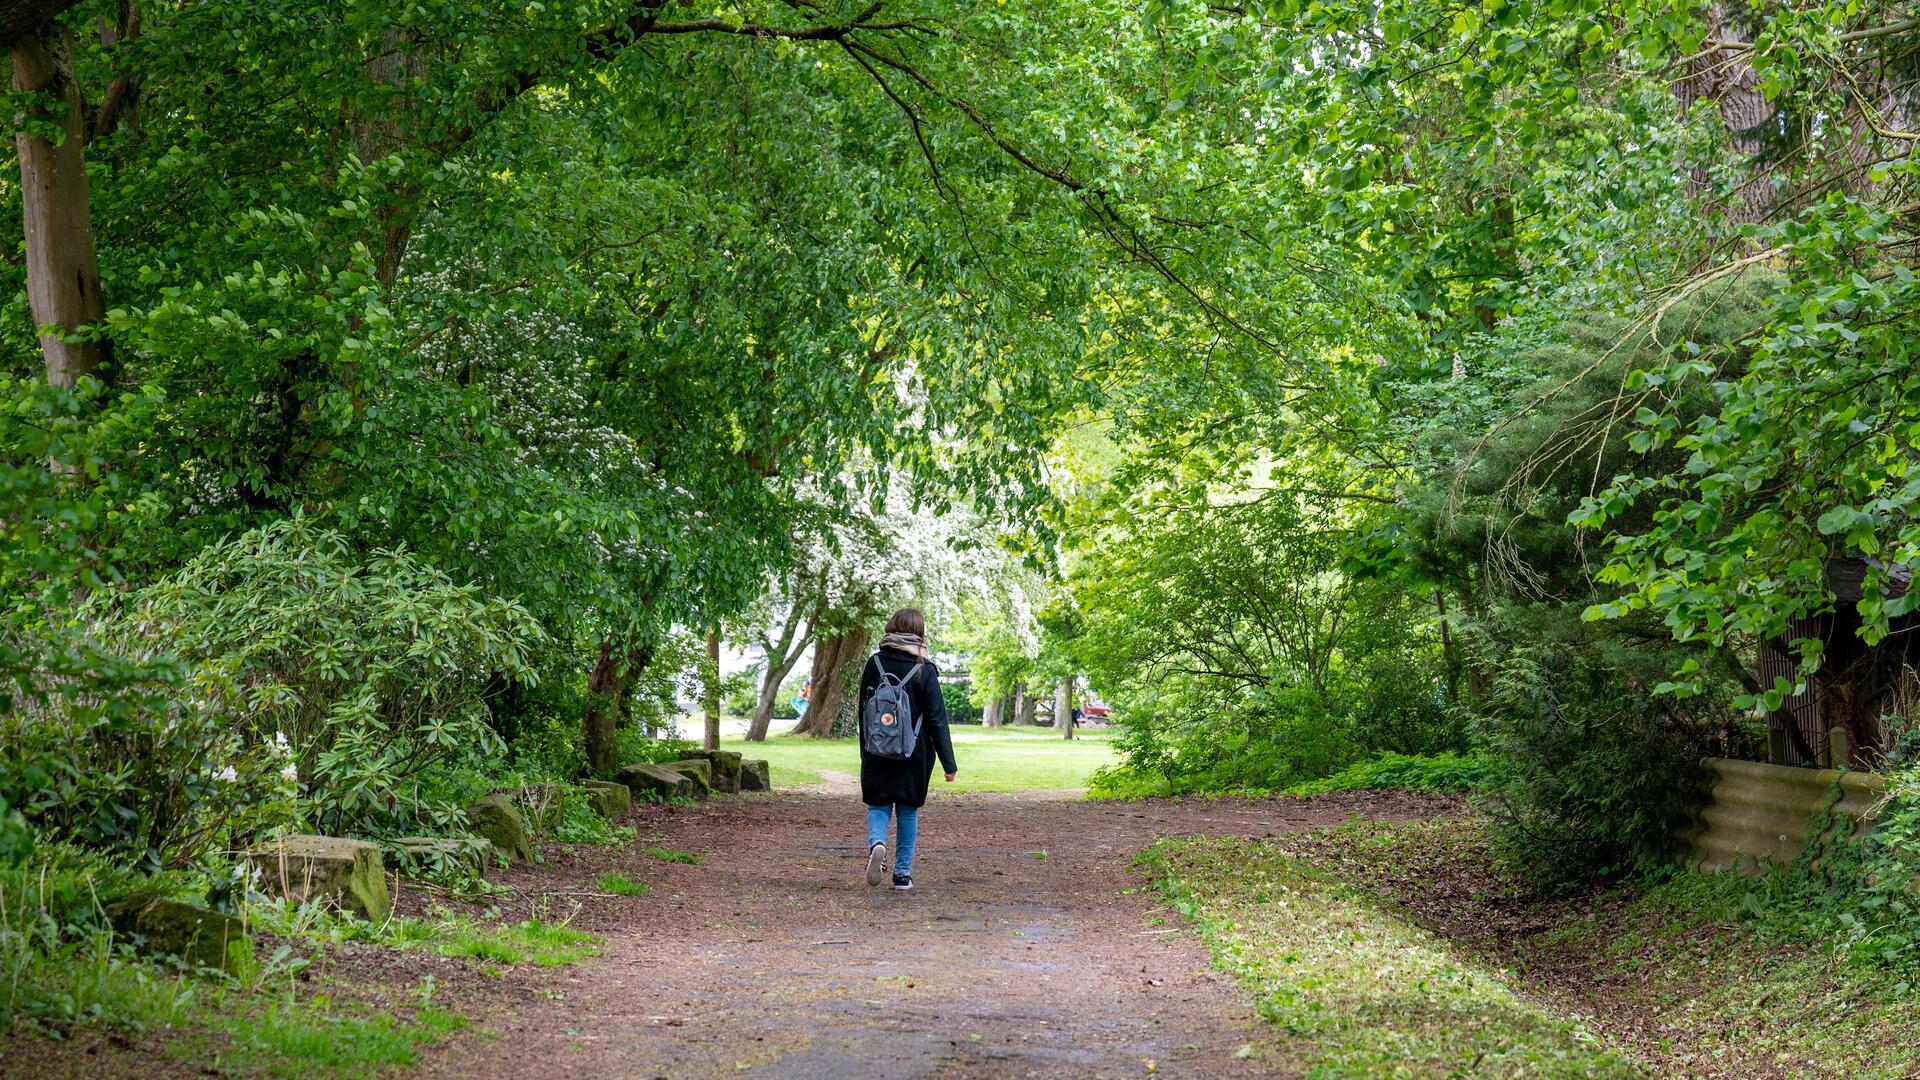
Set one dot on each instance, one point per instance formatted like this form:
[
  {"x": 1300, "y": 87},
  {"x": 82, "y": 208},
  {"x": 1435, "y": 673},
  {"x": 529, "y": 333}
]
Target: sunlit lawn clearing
[{"x": 991, "y": 759}]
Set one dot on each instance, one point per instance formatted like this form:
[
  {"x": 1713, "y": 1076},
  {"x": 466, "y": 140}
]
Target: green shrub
[
  {"x": 960, "y": 709},
  {"x": 739, "y": 693},
  {"x": 1248, "y": 744},
  {"x": 158, "y": 775},
  {"x": 540, "y": 721},
  {"x": 636, "y": 748},
  {"x": 582, "y": 823},
  {"x": 1407, "y": 772},
  {"x": 1598, "y": 771},
  {"x": 370, "y": 671}
]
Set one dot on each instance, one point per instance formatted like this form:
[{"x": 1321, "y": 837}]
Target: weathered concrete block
[
  {"x": 725, "y": 765},
  {"x": 439, "y": 853},
  {"x": 542, "y": 805},
  {"x": 498, "y": 820},
  {"x": 610, "y": 798},
  {"x": 697, "y": 771},
  {"x": 657, "y": 781},
  {"x": 755, "y": 775},
  {"x": 195, "y": 934},
  {"x": 351, "y": 873}
]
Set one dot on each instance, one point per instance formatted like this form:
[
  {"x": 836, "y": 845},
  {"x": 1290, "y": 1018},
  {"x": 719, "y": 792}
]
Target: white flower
[
  {"x": 290, "y": 773},
  {"x": 226, "y": 774}
]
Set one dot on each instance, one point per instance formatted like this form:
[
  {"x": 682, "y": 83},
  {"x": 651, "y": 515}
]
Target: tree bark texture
[
  {"x": 63, "y": 274},
  {"x": 1024, "y": 704},
  {"x": 834, "y": 662},
  {"x": 606, "y": 686},
  {"x": 1727, "y": 78},
  {"x": 994, "y": 715},
  {"x": 396, "y": 69},
  {"x": 1063, "y": 708},
  {"x": 711, "y": 704}
]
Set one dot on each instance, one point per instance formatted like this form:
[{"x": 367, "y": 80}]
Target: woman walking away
[{"x": 896, "y": 759}]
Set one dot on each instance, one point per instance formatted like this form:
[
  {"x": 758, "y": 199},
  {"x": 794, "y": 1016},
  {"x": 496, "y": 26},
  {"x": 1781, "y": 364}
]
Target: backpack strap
[{"x": 912, "y": 675}]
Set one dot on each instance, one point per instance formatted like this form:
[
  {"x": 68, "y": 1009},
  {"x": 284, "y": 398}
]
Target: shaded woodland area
[{"x": 409, "y": 406}]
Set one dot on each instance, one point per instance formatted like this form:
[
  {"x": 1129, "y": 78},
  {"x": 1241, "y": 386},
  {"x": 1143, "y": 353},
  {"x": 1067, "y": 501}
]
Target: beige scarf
[{"x": 911, "y": 644}]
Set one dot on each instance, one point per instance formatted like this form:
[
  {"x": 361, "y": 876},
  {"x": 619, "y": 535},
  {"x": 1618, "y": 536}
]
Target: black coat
[{"x": 896, "y": 780}]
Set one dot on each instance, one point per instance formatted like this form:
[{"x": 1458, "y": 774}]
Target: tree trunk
[
  {"x": 771, "y": 681},
  {"x": 1063, "y": 707},
  {"x": 712, "y": 702},
  {"x": 781, "y": 657},
  {"x": 994, "y": 715},
  {"x": 1727, "y": 78},
  {"x": 63, "y": 274},
  {"x": 396, "y": 68},
  {"x": 120, "y": 105},
  {"x": 832, "y": 658},
  {"x": 605, "y": 687},
  {"x": 1023, "y": 704},
  {"x": 1447, "y": 662}
]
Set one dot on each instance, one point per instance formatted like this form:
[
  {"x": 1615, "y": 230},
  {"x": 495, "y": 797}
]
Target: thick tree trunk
[
  {"x": 1024, "y": 704},
  {"x": 832, "y": 658},
  {"x": 606, "y": 686},
  {"x": 63, "y": 274},
  {"x": 994, "y": 715},
  {"x": 712, "y": 702},
  {"x": 1063, "y": 708},
  {"x": 1727, "y": 78}
]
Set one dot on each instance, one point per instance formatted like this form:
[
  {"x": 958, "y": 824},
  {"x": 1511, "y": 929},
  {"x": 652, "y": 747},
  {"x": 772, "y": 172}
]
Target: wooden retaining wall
[{"x": 1760, "y": 813}]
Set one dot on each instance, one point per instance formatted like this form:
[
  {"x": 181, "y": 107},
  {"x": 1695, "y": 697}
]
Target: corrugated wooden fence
[{"x": 1760, "y": 813}]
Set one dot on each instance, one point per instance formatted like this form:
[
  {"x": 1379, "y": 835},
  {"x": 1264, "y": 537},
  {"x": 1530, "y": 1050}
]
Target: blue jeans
[{"x": 909, "y": 829}]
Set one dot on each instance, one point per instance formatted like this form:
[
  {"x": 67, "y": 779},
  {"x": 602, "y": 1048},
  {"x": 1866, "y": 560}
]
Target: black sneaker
[
  {"x": 901, "y": 883},
  {"x": 877, "y": 864}
]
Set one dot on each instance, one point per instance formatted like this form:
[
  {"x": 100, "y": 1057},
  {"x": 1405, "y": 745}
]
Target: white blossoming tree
[{"x": 848, "y": 571}]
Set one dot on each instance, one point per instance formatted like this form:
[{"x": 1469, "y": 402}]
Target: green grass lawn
[{"x": 991, "y": 759}]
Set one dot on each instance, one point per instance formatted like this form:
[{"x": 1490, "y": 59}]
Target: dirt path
[{"x": 773, "y": 959}]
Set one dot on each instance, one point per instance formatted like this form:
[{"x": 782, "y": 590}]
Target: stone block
[
  {"x": 195, "y": 934},
  {"x": 350, "y": 873},
  {"x": 495, "y": 818},
  {"x": 656, "y": 781},
  {"x": 697, "y": 771},
  {"x": 755, "y": 775},
  {"x": 612, "y": 799},
  {"x": 725, "y": 765}
]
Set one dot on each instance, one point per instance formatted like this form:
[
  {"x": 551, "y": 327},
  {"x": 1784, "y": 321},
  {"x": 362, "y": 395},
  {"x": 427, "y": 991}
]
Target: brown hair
[{"x": 908, "y": 620}]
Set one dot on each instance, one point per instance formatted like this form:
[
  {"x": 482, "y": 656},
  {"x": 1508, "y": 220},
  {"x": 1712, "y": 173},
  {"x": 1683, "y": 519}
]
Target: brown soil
[{"x": 772, "y": 958}]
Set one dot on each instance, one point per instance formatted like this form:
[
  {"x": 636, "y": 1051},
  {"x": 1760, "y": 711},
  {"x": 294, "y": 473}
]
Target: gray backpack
[{"x": 888, "y": 728}]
